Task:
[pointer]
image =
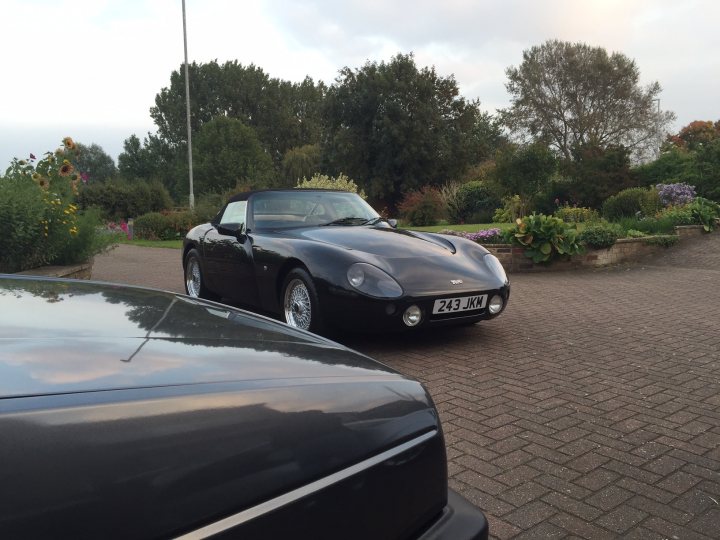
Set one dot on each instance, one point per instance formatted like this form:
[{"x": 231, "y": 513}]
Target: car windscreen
[{"x": 287, "y": 209}]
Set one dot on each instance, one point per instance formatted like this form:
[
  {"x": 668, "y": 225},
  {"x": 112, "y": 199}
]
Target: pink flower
[
  {"x": 85, "y": 177},
  {"x": 124, "y": 226}
]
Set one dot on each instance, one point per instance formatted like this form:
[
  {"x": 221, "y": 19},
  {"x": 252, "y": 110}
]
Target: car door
[{"x": 228, "y": 257}]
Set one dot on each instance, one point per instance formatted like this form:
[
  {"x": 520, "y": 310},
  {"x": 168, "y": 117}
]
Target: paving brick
[
  {"x": 600, "y": 399},
  {"x": 622, "y": 519}
]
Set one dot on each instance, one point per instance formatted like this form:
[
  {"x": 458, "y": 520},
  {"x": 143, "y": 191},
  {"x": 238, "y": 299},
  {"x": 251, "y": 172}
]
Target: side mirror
[
  {"x": 232, "y": 229},
  {"x": 392, "y": 223}
]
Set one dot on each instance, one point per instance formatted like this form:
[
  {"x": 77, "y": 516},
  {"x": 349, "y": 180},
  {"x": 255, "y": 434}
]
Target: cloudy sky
[{"x": 91, "y": 68}]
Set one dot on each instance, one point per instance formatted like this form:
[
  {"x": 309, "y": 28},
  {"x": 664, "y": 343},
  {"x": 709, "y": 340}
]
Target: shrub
[
  {"x": 664, "y": 240},
  {"x": 512, "y": 209},
  {"x": 572, "y": 214},
  {"x": 39, "y": 216},
  {"x": 600, "y": 236},
  {"x": 630, "y": 202},
  {"x": 164, "y": 226},
  {"x": 675, "y": 194},
  {"x": 422, "y": 208},
  {"x": 476, "y": 202},
  {"x": 648, "y": 225},
  {"x": 677, "y": 215},
  {"x": 323, "y": 181},
  {"x": 632, "y": 233},
  {"x": 122, "y": 199},
  {"x": 705, "y": 212},
  {"x": 545, "y": 237}
]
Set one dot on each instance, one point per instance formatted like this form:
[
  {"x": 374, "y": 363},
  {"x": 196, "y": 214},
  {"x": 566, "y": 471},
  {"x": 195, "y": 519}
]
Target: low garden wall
[
  {"x": 625, "y": 250},
  {"x": 75, "y": 271}
]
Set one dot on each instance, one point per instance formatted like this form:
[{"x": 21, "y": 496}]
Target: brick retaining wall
[{"x": 625, "y": 250}]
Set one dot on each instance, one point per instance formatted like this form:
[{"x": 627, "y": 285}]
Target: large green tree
[
  {"x": 227, "y": 153},
  {"x": 572, "y": 95},
  {"x": 283, "y": 114},
  {"x": 394, "y": 127},
  {"x": 94, "y": 163},
  {"x": 525, "y": 171},
  {"x": 156, "y": 159}
]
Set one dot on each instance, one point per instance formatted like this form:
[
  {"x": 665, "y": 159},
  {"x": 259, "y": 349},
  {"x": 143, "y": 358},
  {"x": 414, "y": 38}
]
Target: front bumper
[
  {"x": 352, "y": 311},
  {"x": 460, "y": 520}
]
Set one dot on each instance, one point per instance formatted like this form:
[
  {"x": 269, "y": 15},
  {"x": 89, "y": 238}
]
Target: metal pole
[
  {"x": 187, "y": 112},
  {"x": 657, "y": 129}
]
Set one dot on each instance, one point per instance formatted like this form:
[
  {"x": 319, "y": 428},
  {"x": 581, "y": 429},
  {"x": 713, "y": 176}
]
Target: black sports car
[{"x": 322, "y": 258}]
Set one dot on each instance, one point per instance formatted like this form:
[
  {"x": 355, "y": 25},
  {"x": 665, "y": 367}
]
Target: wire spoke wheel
[
  {"x": 297, "y": 305},
  {"x": 193, "y": 278}
]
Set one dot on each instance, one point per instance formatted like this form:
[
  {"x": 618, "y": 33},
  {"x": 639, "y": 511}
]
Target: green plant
[
  {"x": 512, "y": 209},
  {"x": 678, "y": 215},
  {"x": 705, "y": 212},
  {"x": 323, "y": 181},
  {"x": 545, "y": 237},
  {"x": 123, "y": 199},
  {"x": 422, "y": 208},
  {"x": 632, "y": 233},
  {"x": 572, "y": 214},
  {"x": 664, "y": 240},
  {"x": 631, "y": 202},
  {"x": 39, "y": 216},
  {"x": 599, "y": 236},
  {"x": 164, "y": 226}
]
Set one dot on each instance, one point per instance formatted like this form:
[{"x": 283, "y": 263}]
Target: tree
[
  {"x": 572, "y": 95},
  {"x": 300, "y": 162},
  {"x": 394, "y": 128},
  {"x": 283, "y": 114},
  {"x": 94, "y": 164},
  {"x": 228, "y": 153},
  {"x": 156, "y": 159},
  {"x": 596, "y": 173},
  {"x": 525, "y": 171},
  {"x": 695, "y": 135}
]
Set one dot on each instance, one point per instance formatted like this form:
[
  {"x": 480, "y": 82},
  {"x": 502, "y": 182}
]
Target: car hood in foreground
[{"x": 165, "y": 406}]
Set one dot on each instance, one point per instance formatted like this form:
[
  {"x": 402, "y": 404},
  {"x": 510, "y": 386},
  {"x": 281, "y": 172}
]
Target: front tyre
[
  {"x": 301, "y": 307},
  {"x": 194, "y": 281}
]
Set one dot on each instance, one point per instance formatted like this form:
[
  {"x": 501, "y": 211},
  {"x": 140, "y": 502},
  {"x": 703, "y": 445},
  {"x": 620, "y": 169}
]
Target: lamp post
[{"x": 187, "y": 112}]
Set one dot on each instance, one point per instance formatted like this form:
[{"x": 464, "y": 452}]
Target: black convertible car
[
  {"x": 322, "y": 258},
  {"x": 135, "y": 413}
]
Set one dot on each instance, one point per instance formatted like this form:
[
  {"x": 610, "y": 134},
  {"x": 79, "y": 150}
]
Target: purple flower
[{"x": 676, "y": 194}]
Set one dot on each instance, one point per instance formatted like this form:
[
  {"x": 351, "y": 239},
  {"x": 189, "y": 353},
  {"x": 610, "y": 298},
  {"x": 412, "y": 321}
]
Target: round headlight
[
  {"x": 412, "y": 316},
  {"x": 496, "y": 304},
  {"x": 372, "y": 281},
  {"x": 356, "y": 275}
]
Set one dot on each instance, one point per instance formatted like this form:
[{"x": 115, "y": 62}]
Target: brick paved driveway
[{"x": 590, "y": 409}]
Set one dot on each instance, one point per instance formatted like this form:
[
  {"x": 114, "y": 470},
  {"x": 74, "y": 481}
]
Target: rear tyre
[
  {"x": 301, "y": 307},
  {"x": 194, "y": 280}
]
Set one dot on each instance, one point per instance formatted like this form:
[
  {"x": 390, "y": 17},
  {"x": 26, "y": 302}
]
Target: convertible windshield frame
[{"x": 273, "y": 210}]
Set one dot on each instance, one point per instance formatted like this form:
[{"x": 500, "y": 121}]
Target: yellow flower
[
  {"x": 66, "y": 161},
  {"x": 36, "y": 176},
  {"x": 66, "y": 169},
  {"x": 68, "y": 143},
  {"x": 44, "y": 183},
  {"x": 73, "y": 230}
]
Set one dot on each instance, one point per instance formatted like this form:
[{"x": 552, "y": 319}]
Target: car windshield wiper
[{"x": 349, "y": 221}]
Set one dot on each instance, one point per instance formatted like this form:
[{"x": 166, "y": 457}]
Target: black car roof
[{"x": 247, "y": 194}]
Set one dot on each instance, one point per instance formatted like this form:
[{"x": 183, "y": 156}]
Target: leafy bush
[
  {"x": 678, "y": 215},
  {"x": 473, "y": 203},
  {"x": 650, "y": 226},
  {"x": 545, "y": 237},
  {"x": 599, "y": 236},
  {"x": 164, "y": 226},
  {"x": 664, "y": 240},
  {"x": 122, "y": 199},
  {"x": 323, "y": 181},
  {"x": 632, "y": 233},
  {"x": 422, "y": 208},
  {"x": 705, "y": 212},
  {"x": 572, "y": 214},
  {"x": 675, "y": 194},
  {"x": 631, "y": 202},
  {"x": 512, "y": 209},
  {"x": 39, "y": 216}
]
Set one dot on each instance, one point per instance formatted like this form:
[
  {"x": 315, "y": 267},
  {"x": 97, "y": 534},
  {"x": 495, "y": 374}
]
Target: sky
[{"x": 91, "y": 69}]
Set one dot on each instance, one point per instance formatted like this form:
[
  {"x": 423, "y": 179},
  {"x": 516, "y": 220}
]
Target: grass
[
  {"x": 171, "y": 244},
  {"x": 465, "y": 227}
]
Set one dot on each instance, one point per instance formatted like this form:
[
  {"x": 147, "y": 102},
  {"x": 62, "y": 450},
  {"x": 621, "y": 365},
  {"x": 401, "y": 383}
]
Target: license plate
[{"x": 463, "y": 303}]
